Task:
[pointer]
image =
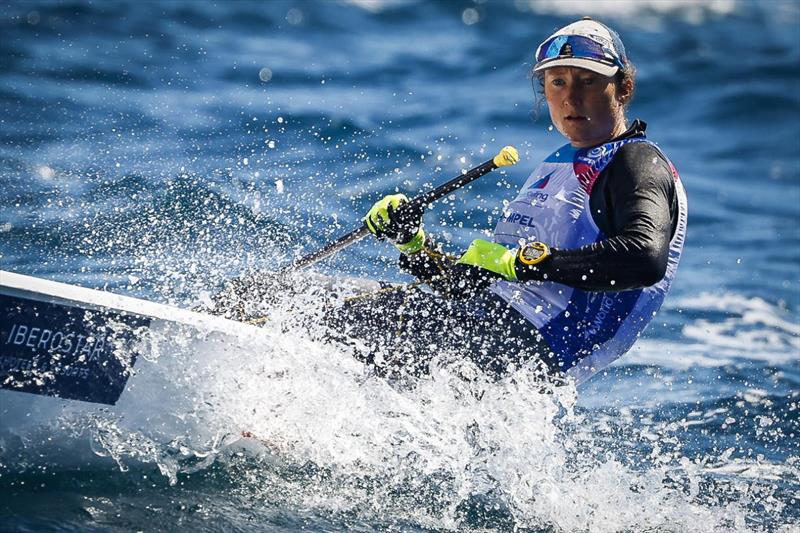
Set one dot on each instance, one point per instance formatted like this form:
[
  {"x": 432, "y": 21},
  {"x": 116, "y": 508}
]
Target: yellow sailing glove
[
  {"x": 491, "y": 256},
  {"x": 507, "y": 156},
  {"x": 393, "y": 217},
  {"x": 485, "y": 262}
]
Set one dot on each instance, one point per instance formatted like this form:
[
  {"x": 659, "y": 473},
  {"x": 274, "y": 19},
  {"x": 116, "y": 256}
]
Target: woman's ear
[{"x": 624, "y": 91}]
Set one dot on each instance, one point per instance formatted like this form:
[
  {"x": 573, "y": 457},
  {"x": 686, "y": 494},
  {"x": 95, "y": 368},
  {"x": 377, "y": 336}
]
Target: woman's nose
[{"x": 573, "y": 95}]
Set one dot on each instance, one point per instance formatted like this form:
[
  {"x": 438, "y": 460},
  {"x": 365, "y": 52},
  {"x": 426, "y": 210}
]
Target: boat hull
[{"x": 74, "y": 359}]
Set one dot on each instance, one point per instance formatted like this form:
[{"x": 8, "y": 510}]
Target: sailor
[{"x": 581, "y": 259}]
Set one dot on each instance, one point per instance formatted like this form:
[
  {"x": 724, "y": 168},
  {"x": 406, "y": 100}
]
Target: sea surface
[{"x": 157, "y": 149}]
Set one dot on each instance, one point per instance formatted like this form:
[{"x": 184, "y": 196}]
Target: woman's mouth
[{"x": 576, "y": 118}]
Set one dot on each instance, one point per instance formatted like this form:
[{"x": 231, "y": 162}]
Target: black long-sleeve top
[{"x": 634, "y": 203}]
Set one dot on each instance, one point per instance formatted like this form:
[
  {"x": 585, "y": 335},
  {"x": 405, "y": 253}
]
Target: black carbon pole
[{"x": 507, "y": 156}]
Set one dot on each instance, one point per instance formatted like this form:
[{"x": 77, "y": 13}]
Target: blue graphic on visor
[{"x": 579, "y": 47}]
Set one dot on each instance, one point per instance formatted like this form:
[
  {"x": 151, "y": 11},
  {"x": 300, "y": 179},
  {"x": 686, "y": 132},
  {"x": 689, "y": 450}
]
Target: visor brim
[{"x": 588, "y": 64}]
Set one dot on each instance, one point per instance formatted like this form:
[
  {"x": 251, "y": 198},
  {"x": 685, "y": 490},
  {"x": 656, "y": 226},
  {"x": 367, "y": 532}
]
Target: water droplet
[
  {"x": 294, "y": 16},
  {"x": 470, "y": 16},
  {"x": 265, "y": 74},
  {"x": 764, "y": 421},
  {"x": 45, "y": 172}
]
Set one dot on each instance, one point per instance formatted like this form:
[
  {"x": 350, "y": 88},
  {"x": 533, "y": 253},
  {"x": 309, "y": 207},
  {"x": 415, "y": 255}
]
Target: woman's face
[{"x": 584, "y": 106}]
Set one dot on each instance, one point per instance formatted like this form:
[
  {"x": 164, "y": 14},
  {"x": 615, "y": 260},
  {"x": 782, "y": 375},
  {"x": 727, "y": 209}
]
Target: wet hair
[{"x": 622, "y": 77}]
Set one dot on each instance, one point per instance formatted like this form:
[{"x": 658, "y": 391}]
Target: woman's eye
[
  {"x": 588, "y": 81},
  {"x": 558, "y": 82}
]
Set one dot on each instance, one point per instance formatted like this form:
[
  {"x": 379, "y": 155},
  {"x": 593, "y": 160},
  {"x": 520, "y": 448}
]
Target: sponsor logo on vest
[
  {"x": 519, "y": 218},
  {"x": 542, "y": 182},
  {"x": 599, "y": 152},
  {"x": 539, "y": 198},
  {"x": 600, "y": 317}
]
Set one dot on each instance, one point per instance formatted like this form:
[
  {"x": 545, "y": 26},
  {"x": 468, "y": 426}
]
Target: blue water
[{"x": 157, "y": 149}]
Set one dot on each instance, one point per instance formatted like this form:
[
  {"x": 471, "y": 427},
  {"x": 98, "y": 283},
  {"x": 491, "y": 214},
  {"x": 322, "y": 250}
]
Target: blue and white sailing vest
[{"x": 587, "y": 330}]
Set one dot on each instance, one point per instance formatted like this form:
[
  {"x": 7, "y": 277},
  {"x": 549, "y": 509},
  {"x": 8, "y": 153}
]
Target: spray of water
[{"x": 445, "y": 451}]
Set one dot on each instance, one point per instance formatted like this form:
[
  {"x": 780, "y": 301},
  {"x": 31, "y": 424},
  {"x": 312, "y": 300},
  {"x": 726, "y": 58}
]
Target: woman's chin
[
  {"x": 583, "y": 142},
  {"x": 579, "y": 137}
]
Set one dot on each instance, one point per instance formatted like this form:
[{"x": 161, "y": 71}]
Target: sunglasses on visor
[{"x": 579, "y": 47}]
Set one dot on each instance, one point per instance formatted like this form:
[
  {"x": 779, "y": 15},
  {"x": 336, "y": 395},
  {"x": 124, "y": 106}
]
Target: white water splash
[{"x": 383, "y": 448}]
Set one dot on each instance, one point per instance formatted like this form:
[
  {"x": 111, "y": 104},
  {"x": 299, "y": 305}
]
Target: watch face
[{"x": 533, "y": 252}]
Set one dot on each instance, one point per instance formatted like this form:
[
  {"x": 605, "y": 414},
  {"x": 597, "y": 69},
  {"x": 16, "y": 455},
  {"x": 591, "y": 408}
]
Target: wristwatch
[{"x": 533, "y": 253}]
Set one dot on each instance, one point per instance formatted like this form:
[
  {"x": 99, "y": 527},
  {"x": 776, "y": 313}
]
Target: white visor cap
[{"x": 606, "y": 64}]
